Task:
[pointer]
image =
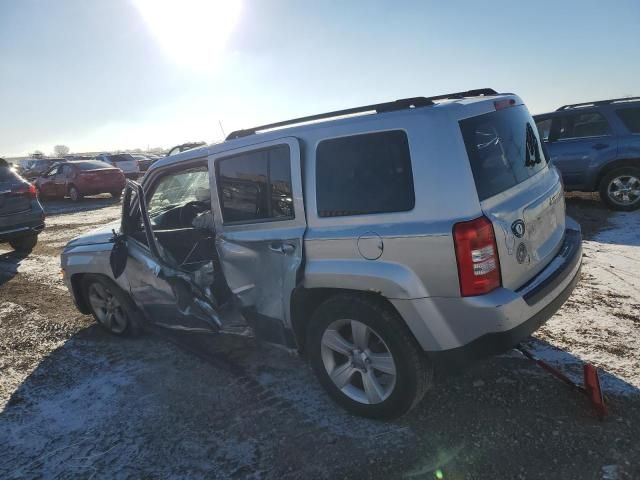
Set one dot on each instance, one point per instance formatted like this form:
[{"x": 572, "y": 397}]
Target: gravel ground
[{"x": 79, "y": 403}]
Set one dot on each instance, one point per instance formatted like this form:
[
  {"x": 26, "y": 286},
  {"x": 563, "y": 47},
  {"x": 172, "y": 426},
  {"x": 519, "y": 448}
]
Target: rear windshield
[
  {"x": 125, "y": 157},
  {"x": 92, "y": 165},
  {"x": 6, "y": 173},
  {"x": 503, "y": 148}
]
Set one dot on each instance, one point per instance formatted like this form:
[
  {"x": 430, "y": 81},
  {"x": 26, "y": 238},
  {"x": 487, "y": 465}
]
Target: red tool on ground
[{"x": 591, "y": 386}]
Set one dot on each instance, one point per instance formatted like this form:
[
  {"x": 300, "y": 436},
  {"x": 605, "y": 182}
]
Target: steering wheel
[{"x": 194, "y": 208}]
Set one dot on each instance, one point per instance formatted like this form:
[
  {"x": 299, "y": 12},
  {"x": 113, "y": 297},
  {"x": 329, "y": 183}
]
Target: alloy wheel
[
  {"x": 107, "y": 308},
  {"x": 358, "y": 361},
  {"x": 624, "y": 190}
]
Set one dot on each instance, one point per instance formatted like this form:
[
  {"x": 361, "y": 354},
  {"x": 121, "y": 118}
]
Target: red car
[{"x": 76, "y": 179}]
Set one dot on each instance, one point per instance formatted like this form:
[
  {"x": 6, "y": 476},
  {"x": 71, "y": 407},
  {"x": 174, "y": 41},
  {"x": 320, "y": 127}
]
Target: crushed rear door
[{"x": 518, "y": 191}]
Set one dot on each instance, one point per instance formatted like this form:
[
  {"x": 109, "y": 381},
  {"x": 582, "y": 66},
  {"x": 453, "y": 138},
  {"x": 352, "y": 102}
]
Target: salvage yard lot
[{"x": 77, "y": 402}]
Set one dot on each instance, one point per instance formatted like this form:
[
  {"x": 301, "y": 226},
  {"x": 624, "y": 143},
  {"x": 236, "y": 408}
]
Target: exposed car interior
[{"x": 179, "y": 207}]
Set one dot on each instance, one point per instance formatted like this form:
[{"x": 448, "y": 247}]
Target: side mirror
[{"x": 119, "y": 254}]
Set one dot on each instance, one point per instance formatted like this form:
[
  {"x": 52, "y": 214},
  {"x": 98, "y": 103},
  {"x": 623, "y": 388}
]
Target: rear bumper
[
  {"x": 26, "y": 224},
  {"x": 495, "y": 343},
  {"x": 456, "y": 331},
  {"x": 105, "y": 187}
]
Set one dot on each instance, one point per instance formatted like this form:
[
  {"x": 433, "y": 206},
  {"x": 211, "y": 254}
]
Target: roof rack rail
[
  {"x": 401, "y": 104},
  {"x": 598, "y": 102}
]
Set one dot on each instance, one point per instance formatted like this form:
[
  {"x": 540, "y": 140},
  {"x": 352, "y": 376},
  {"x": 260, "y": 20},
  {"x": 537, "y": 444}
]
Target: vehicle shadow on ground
[
  {"x": 57, "y": 207},
  {"x": 9, "y": 264},
  {"x": 601, "y": 224},
  {"x": 103, "y": 406}
]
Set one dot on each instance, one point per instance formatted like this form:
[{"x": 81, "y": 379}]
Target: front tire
[
  {"x": 24, "y": 244},
  {"x": 366, "y": 358},
  {"x": 620, "y": 189},
  {"x": 112, "y": 308}
]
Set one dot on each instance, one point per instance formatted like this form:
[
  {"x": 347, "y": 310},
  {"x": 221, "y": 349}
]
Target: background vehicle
[
  {"x": 371, "y": 269},
  {"x": 77, "y": 179},
  {"x": 32, "y": 168},
  {"x": 596, "y": 146},
  {"x": 144, "y": 161},
  {"x": 21, "y": 215},
  {"x": 123, "y": 161}
]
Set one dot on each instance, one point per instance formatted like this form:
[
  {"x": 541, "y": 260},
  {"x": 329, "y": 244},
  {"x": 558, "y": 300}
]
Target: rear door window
[
  {"x": 503, "y": 148},
  {"x": 579, "y": 125},
  {"x": 364, "y": 174},
  {"x": 631, "y": 118},
  {"x": 256, "y": 186}
]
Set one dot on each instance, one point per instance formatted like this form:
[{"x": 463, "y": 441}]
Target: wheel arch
[
  {"x": 305, "y": 301},
  {"x": 609, "y": 167},
  {"x": 77, "y": 282}
]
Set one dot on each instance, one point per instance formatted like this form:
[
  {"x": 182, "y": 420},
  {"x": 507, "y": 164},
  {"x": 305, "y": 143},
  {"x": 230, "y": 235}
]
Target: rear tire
[
  {"x": 74, "y": 194},
  {"x": 112, "y": 308},
  {"x": 382, "y": 376},
  {"x": 620, "y": 189},
  {"x": 24, "y": 244}
]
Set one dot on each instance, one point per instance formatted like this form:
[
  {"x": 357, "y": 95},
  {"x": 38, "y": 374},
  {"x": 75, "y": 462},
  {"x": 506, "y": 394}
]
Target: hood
[{"x": 99, "y": 235}]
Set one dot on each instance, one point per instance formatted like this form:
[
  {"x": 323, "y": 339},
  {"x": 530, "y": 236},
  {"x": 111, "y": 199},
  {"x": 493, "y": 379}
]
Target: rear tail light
[
  {"x": 27, "y": 190},
  {"x": 477, "y": 257}
]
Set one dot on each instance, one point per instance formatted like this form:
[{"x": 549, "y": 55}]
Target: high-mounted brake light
[
  {"x": 507, "y": 102},
  {"x": 477, "y": 257}
]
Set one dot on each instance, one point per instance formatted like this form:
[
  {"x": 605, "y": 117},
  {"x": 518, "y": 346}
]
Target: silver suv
[{"x": 382, "y": 242}]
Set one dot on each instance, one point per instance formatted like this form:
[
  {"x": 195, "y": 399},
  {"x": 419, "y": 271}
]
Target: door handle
[
  {"x": 283, "y": 248},
  {"x": 600, "y": 146}
]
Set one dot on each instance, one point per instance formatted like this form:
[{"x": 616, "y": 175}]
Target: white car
[{"x": 123, "y": 161}]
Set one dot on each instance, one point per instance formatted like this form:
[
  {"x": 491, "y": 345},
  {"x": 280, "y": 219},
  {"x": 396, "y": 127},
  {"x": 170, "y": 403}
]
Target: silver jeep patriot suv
[{"x": 380, "y": 241}]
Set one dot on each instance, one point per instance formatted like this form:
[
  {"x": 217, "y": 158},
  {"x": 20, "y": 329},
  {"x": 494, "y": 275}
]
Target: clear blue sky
[{"x": 106, "y": 74}]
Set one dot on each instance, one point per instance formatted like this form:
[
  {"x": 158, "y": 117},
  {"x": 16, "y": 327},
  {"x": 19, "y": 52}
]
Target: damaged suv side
[{"x": 379, "y": 241}]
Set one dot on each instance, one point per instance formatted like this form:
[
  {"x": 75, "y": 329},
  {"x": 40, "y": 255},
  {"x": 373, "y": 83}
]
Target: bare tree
[{"x": 60, "y": 150}]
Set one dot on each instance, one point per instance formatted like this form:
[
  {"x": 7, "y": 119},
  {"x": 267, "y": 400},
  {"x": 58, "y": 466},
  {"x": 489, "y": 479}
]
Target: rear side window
[
  {"x": 579, "y": 125},
  {"x": 364, "y": 174},
  {"x": 631, "y": 118},
  {"x": 503, "y": 149},
  {"x": 256, "y": 186}
]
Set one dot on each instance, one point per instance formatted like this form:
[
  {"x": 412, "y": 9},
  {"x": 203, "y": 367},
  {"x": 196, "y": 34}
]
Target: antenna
[{"x": 222, "y": 129}]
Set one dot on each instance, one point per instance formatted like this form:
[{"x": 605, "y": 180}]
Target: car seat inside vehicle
[{"x": 179, "y": 207}]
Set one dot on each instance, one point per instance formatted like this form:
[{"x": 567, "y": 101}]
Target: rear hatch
[
  {"x": 14, "y": 193},
  {"x": 519, "y": 193}
]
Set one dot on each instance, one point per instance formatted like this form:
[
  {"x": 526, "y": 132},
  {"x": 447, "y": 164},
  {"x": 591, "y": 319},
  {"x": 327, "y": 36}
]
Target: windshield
[
  {"x": 503, "y": 149},
  {"x": 179, "y": 189}
]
